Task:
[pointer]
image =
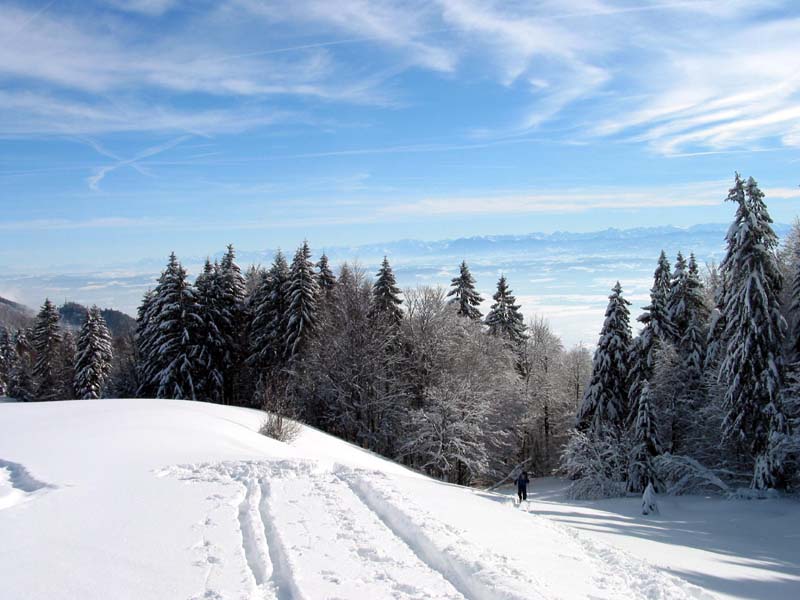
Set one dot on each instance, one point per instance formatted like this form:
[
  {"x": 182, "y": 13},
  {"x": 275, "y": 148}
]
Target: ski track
[
  {"x": 22, "y": 484},
  {"x": 254, "y": 540},
  {"x": 446, "y": 551},
  {"x": 308, "y": 532},
  {"x": 282, "y": 574}
]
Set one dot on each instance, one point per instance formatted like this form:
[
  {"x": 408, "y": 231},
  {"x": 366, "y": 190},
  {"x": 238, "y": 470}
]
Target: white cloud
[
  {"x": 681, "y": 76},
  {"x": 562, "y": 201},
  {"x": 153, "y": 8}
]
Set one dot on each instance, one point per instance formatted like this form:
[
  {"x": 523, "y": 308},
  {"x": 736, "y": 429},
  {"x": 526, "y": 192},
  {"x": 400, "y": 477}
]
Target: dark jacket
[{"x": 522, "y": 481}]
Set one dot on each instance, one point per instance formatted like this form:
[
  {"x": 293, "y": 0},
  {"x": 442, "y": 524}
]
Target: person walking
[{"x": 522, "y": 486}]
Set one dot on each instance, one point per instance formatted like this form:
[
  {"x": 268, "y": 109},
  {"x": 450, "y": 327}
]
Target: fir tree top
[
  {"x": 325, "y": 277},
  {"x": 464, "y": 294},
  {"x": 386, "y": 294},
  {"x": 504, "y": 317},
  {"x": 93, "y": 356},
  {"x": 46, "y": 340},
  {"x": 656, "y": 316},
  {"x": 232, "y": 282},
  {"x": 302, "y": 301}
]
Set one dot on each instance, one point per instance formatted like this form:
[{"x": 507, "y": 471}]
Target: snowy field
[
  {"x": 163, "y": 499},
  {"x": 735, "y": 548}
]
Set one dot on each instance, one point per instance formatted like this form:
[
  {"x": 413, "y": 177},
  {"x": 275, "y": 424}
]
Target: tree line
[
  {"x": 707, "y": 395},
  {"x": 704, "y": 396},
  {"x": 420, "y": 375}
]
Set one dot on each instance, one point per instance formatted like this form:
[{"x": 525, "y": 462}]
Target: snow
[
  {"x": 733, "y": 548},
  {"x": 171, "y": 499}
]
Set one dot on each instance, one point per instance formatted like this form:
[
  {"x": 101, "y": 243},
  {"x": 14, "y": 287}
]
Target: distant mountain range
[
  {"x": 17, "y": 316},
  {"x": 14, "y": 315},
  {"x": 562, "y": 276}
]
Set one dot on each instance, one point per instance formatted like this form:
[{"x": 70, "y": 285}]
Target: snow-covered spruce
[
  {"x": 93, "y": 357},
  {"x": 386, "y": 296},
  {"x": 7, "y": 357},
  {"x": 301, "y": 310},
  {"x": 752, "y": 369},
  {"x": 645, "y": 444},
  {"x": 269, "y": 318},
  {"x": 210, "y": 351},
  {"x": 604, "y": 407},
  {"x": 658, "y": 330},
  {"x": 231, "y": 321},
  {"x": 325, "y": 277},
  {"x": 464, "y": 295},
  {"x": 504, "y": 318},
  {"x": 172, "y": 327},
  {"x": 46, "y": 342}
]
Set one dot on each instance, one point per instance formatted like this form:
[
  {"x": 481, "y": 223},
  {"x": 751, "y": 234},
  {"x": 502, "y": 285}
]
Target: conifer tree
[
  {"x": 230, "y": 320},
  {"x": 20, "y": 383},
  {"x": 326, "y": 280},
  {"x": 268, "y": 318},
  {"x": 752, "y": 368},
  {"x": 67, "y": 353},
  {"x": 142, "y": 341},
  {"x": 46, "y": 343},
  {"x": 676, "y": 298},
  {"x": 692, "y": 323},
  {"x": 7, "y": 357},
  {"x": 94, "y": 356},
  {"x": 171, "y": 338},
  {"x": 657, "y": 315},
  {"x": 504, "y": 318},
  {"x": 386, "y": 298},
  {"x": 211, "y": 348},
  {"x": 464, "y": 294},
  {"x": 646, "y": 445},
  {"x": 604, "y": 407},
  {"x": 658, "y": 330},
  {"x": 795, "y": 308},
  {"x": 301, "y": 314}
]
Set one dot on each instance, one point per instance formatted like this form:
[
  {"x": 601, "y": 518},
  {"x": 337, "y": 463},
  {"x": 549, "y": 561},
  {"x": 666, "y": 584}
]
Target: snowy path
[
  {"x": 309, "y": 531},
  {"x": 324, "y": 541}
]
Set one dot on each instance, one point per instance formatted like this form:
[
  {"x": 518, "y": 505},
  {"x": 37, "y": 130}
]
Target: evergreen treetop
[
  {"x": 325, "y": 277},
  {"x": 386, "y": 295},
  {"x": 504, "y": 318},
  {"x": 302, "y": 302},
  {"x": 93, "y": 356},
  {"x": 46, "y": 339},
  {"x": 464, "y": 294}
]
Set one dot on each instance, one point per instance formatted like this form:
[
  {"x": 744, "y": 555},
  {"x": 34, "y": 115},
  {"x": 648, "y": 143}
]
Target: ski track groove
[
  {"x": 283, "y": 580},
  {"x": 459, "y": 573},
  {"x": 252, "y": 531}
]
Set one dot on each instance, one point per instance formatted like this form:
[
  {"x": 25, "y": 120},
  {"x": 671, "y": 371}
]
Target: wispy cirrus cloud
[
  {"x": 677, "y": 76},
  {"x": 94, "y": 180}
]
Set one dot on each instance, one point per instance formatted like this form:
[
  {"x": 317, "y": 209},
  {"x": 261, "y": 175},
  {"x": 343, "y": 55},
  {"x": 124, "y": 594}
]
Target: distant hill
[
  {"x": 14, "y": 315},
  {"x": 119, "y": 324}
]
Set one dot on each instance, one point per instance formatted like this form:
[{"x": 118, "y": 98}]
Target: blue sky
[{"x": 129, "y": 128}]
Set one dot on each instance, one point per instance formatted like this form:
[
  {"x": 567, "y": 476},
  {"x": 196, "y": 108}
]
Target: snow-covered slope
[
  {"x": 734, "y": 548},
  {"x": 165, "y": 499}
]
